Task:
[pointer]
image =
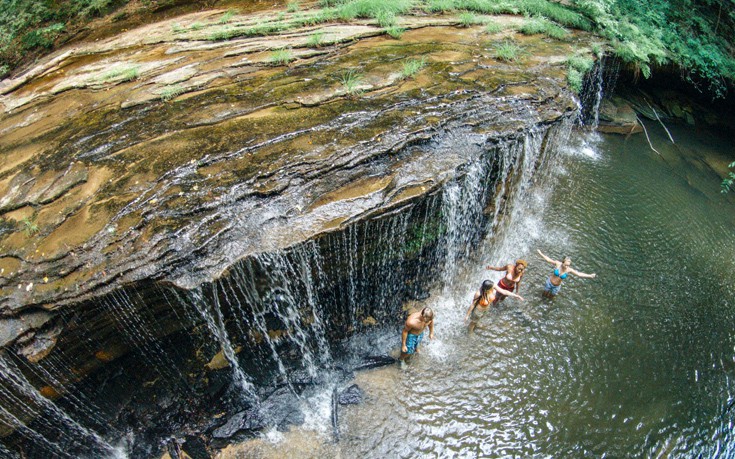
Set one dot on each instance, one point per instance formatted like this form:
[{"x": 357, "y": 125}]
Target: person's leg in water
[{"x": 550, "y": 290}]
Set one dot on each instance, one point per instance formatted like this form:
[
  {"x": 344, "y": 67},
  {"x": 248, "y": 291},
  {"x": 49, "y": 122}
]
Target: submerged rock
[
  {"x": 281, "y": 409},
  {"x": 351, "y": 396}
]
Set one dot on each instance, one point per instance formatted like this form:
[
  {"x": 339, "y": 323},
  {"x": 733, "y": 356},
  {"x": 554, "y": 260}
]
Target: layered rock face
[{"x": 163, "y": 157}]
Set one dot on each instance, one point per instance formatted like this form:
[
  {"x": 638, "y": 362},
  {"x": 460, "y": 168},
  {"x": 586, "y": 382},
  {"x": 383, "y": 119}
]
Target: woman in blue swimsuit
[{"x": 561, "y": 270}]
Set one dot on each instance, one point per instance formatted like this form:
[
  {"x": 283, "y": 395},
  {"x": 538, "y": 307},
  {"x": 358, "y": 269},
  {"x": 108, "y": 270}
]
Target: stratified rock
[
  {"x": 13, "y": 327},
  {"x": 351, "y": 396},
  {"x": 618, "y": 117}
]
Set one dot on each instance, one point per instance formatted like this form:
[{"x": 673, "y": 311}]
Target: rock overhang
[{"x": 108, "y": 183}]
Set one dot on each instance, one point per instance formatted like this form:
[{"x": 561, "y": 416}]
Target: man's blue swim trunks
[
  {"x": 551, "y": 288},
  {"x": 412, "y": 342}
]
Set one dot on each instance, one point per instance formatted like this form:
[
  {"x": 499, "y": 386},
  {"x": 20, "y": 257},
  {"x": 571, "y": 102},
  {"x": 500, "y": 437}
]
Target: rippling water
[{"x": 637, "y": 362}]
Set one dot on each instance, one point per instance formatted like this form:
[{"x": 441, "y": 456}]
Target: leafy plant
[
  {"x": 412, "y": 66},
  {"x": 315, "y": 40},
  {"x": 508, "y": 51},
  {"x": 372, "y": 9},
  {"x": 577, "y": 67},
  {"x": 729, "y": 182},
  {"x": 293, "y": 6},
  {"x": 350, "y": 80},
  {"x": 281, "y": 57}
]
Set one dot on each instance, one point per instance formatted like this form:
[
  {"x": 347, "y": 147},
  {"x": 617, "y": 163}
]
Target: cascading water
[{"x": 286, "y": 312}]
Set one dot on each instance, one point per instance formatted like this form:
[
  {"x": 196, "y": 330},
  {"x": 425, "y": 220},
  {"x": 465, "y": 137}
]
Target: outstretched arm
[
  {"x": 553, "y": 262},
  {"x": 581, "y": 274},
  {"x": 507, "y": 293},
  {"x": 498, "y": 268}
]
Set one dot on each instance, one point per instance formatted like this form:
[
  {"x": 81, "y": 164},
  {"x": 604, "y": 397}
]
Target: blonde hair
[{"x": 522, "y": 262}]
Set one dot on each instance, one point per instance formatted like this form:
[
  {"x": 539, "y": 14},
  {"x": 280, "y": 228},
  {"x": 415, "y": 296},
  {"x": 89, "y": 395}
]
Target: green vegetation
[
  {"x": 315, "y": 40},
  {"x": 693, "y": 34},
  {"x": 494, "y": 27},
  {"x": 412, "y": 66},
  {"x": 508, "y": 51},
  {"x": 29, "y": 227},
  {"x": 227, "y": 16},
  {"x": 373, "y": 9},
  {"x": 171, "y": 92},
  {"x": 469, "y": 19},
  {"x": 121, "y": 74},
  {"x": 729, "y": 182},
  {"x": 541, "y": 25},
  {"x": 281, "y": 57},
  {"x": 350, "y": 80},
  {"x": 395, "y": 32},
  {"x": 577, "y": 67}
]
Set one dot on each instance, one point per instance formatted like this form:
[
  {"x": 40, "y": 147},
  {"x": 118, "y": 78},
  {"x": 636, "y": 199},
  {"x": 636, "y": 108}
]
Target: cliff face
[{"x": 162, "y": 156}]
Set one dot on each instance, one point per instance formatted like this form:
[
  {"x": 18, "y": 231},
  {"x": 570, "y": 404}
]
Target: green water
[{"x": 638, "y": 362}]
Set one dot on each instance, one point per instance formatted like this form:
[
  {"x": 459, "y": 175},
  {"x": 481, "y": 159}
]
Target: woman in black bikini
[
  {"x": 561, "y": 270},
  {"x": 512, "y": 279},
  {"x": 481, "y": 302}
]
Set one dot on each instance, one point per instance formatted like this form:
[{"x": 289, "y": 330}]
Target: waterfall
[
  {"x": 281, "y": 318},
  {"x": 18, "y": 391},
  {"x": 599, "y": 82}
]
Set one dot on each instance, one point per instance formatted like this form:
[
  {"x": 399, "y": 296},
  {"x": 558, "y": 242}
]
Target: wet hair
[
  {"x": 565, "y": 259},
  {"x": 428, "y": 311},
  {"x": 486, "y": 285},
  {"x": 522, "y": 262}
]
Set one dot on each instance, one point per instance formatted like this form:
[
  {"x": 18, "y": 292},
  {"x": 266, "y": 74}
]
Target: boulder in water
[{"x": 351, "y": 396}]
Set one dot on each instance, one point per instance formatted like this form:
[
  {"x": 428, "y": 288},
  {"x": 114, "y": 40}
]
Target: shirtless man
[{"x": 413, "y": 331}]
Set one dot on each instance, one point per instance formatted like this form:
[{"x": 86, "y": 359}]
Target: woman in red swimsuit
[
  {"x": 512, "y": 279},
  {"x": 482, "y": 300}
]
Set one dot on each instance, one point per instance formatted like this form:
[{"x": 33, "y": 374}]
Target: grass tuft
[
  {"x": 227, "y": 16},
  {"x": 494, "y": 27},
  {"x": 29, "y": 227},
  {"x": 395, "y": 32},
  {"x": 315, "y": 40},
  {"x": 350, "y": 80},
  {"x": 281, "y": 57},
  {"x": 412, "y": 66},
  {"x": 541, "y": 25},
  {"x": 171, "y": 92},
  {"x": 508, "y": 51},
  {"x": 122, "y": 74},
  {"x": 293, "y": 6},
  {"x": 469, "y": 19}
]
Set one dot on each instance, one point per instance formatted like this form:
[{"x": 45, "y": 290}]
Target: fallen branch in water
[
  {"x": 645, "y": 131},
  {"x": 659, "y": 120}
]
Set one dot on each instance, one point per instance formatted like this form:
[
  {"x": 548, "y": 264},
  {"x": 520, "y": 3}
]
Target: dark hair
[
  {"x": 487, "y": 284},
  {"x": 429, "y": 312}
]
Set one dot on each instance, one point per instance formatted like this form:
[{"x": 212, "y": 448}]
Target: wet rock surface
[
  {"x": 351, "y": 396},
  {"x": 161, "y": 157}
]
